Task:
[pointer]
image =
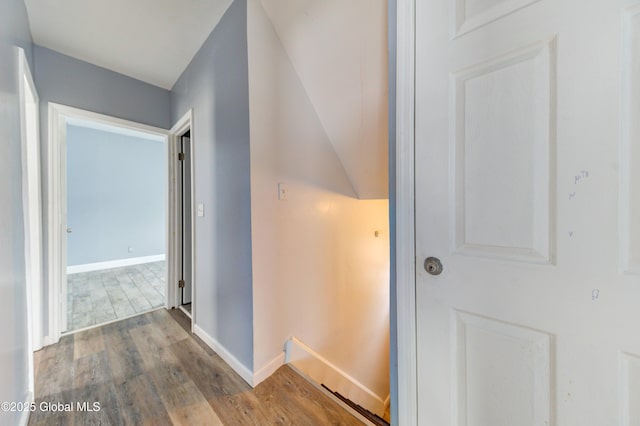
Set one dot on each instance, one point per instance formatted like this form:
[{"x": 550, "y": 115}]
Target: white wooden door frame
[
  {"x": 405, "y": 216},
  {"x": 56, "y": 203},
  {"x": 33, "y": 210},
  {"x": 185, "y": 123}
]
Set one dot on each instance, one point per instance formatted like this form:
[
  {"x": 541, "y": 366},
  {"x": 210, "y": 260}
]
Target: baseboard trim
[
  {"x": 24, "y": 417},
  {"x": 322, "y": 371},
  {"x": 226, "y": 356},
  {"x": 268, "y": 369},
  {"x": 98, "y": 266}
]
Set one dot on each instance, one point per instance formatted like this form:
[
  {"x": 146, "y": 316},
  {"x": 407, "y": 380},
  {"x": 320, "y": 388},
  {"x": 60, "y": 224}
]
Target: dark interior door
[{"x": 184, "y": 186}]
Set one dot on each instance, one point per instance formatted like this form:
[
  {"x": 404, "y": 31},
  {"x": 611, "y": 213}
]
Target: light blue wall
[
  {"x": 64, "y": 80},
  {"x": 68, "y": 81},
  {"x": 215, "y": 85},
  {"x": 14, "y": 31},
  {"x": 116, "y": 196}
]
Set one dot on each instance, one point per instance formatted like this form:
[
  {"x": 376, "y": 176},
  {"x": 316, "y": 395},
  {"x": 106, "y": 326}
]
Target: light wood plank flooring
[
  {"x": 98, "y": 297},
  {"x": 149, "y": 370}
]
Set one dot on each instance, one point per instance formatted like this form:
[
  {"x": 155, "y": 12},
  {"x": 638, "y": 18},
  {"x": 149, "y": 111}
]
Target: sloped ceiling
[
  {"x": 150, "y": 40},
  {"x": 339, "y": 50}
]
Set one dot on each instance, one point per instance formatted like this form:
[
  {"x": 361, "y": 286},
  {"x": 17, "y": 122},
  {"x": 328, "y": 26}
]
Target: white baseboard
[
  {"x": 268, "y": 369},
  {"x": 233, "y": 362},
  {"x": 322, "y": 371},
  {"x": 98, "y": 266},
  {"x": 24, "y": 417}
]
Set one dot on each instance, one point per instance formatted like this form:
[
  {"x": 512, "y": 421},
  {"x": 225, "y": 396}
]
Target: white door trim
[
  {"x": 33, "y": 211},
  {"x": 185, "y": 123},
  {"x": 405, "y": 216},
  {"x": 56, "y": 203}
]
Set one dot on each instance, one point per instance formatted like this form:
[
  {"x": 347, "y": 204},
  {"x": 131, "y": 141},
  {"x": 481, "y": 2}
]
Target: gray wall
[
  {"x": 68, "y": 81},
  {"x": 393, "y": 316},
  {"x": 116, "y": 196},
  {"x": 14, "y": 31},
  {"x": 64, "y": 80},
  {"x": 215, "y": 85}
]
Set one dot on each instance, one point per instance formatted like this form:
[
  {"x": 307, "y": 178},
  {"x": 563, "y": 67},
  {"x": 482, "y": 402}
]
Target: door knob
[
  {"x": 433, "y": 265},
  {"x": 69, "y": 230}
]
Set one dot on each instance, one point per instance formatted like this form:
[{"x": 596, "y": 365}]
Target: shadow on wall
[
  {"x": 304, "y": 151},
  {"x": 338, "y": 53}
]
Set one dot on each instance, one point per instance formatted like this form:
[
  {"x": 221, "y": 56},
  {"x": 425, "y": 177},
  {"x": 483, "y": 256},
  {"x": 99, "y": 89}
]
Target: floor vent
[{"x": 373, "y": 418}]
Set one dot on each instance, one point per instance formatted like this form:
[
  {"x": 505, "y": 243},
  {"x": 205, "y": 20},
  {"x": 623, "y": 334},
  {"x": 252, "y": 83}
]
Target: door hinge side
[
  {"x": 181, "y": 156},
  {"x": 181, "y": 284}
]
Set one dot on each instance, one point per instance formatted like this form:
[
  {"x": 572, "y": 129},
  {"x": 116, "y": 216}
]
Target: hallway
[{"x": 149, "y": 370}]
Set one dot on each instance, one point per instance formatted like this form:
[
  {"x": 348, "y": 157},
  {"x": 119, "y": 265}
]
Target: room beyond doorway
[{"x": 109, "y": 178}]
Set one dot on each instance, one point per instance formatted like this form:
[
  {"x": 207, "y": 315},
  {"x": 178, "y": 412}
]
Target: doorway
[
  {"x": 108, "y": 242},
  {"x": 184, "y": 219},
  {"x": 534, "y": 318},
  {"x": 116, "y": 219},
  {"x": 181, "y": 250}
]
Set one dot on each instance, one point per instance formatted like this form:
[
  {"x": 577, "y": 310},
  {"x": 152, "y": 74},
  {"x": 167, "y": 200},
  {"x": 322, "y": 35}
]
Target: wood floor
[
  {"x": 98, "y": 297},
  {"x": 149, "y": 370}
]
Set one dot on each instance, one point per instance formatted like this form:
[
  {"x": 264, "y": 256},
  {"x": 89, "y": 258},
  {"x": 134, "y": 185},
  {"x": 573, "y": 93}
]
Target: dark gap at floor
[{"x": 372, "y": 417}]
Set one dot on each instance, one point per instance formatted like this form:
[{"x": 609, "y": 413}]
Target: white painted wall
[
  {"x": 319, "y": 272},
  {"x": 14, "y": 386},
  {"x": 339, "y": 51}
]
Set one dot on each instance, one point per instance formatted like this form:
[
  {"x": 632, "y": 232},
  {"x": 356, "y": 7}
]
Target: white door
[{"x": 528, "y": 191}]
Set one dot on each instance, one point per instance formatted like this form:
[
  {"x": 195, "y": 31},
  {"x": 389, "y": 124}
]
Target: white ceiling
[{"x": 150, "y": 40}]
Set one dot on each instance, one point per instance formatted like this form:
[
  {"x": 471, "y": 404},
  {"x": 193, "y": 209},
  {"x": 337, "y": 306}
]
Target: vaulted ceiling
[{"x": 338, "y": 48}]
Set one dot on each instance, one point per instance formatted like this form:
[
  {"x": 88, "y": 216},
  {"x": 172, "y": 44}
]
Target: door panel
[
  {"x": 503, "y": 136},
  {"x": 519, "y": 191},
  {"x": 502, "y": 372}
]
